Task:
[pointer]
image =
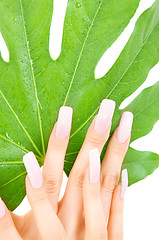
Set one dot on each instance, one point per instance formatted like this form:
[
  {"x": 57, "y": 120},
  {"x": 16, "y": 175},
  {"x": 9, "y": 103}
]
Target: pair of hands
[{"x": 92, "y": 206}]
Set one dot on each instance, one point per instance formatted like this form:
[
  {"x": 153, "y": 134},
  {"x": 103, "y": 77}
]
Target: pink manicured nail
[
  {"x": 2, "y": 208},
  {"x": 33, "y": 169},
  {"x": 125, "y": 126},
  {"x": 104, "y": 116},
  {"x": 64, "y": 122},
  {"x": 124, "y": 182},
  {"x": 94, "y": 165}
]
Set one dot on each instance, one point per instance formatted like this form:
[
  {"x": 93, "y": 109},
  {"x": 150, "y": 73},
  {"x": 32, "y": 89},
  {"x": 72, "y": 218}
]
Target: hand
[{"x": 90, "y": 197}]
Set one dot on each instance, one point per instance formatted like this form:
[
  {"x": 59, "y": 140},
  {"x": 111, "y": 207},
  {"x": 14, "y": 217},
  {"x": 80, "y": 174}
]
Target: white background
[{"x": 141, "y": 212}]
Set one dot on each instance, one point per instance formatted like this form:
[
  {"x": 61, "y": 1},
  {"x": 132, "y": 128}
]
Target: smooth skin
[{"x": 87, "y": 210}]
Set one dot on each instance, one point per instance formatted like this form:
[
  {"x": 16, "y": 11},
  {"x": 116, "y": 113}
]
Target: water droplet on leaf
[
  {"x": 78, "y": 5},
  {"x": 84, "y": 19},
  {"x": 8, "y": 136},
  {"x": 14, "y": 20}
]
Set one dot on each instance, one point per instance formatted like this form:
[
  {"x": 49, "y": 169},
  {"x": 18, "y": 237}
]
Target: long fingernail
[
  {"x": 94, "y": 165},
  {"x": 124, "y": 182},
  {"x": 125, "y": 126},
  {"x": 104, "y": 116},
  {"x": 33, "y": 169},
  {"x": 2, "y": 208},
  {"x": 64, "y": 122}
]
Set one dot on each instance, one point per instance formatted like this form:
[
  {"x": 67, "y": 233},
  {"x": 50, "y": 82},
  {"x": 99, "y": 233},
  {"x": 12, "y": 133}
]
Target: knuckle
[
  {"x": 94, "y": 193},
  {"x": 100, "y": 233},
  {"x": 57, "y": 145},
  {"x": 117, "y": 150},
  {"x": 109, "y": 182},
  {"x": 40, "y": 197},
  {"x": 52, "y": 185},
  {"x": 95, "y": 140},
  {"x": 78, "y": 180}
]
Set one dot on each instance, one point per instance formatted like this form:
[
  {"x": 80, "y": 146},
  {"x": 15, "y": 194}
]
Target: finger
[
  {"x": 54, "y": 160},
  {"x": 95, "y": 224},
  {"x": 111, "y": 165},
  {"x": 115, "y": 224},
  {"x": 96, "y": 137},
  {"x": 7, "y": 228},
  {"x": 46, "y": 219},
  {"x": 23, "y": 225}
]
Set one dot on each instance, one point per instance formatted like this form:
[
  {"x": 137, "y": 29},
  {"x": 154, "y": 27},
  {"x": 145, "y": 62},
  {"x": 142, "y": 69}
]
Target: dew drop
[
  {"x": 78, "y": 5},
  {"x": 84, "y": 19},
  {"x": 14, "y": 20},
  {"x": 8, "y": 136},
  {"x": 40, "y": 104}
]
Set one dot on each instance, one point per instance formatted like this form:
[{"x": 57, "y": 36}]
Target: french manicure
[
  {"x": 125, "y": 126},
  {"x": 94, "y": 165},
  {"x": 2, "y": 208},
  {"x": 64, "y": 122},
  {"x": 104, "y": 116},
  {"x": 124, "y": 182},
  {"x": 33, "y": 169}
]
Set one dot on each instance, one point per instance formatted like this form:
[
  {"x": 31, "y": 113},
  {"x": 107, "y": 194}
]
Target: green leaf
[{"x": 33, "y": 86}]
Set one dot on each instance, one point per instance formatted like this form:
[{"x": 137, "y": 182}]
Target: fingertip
[
  {"x": 124, "y": 182},
  {"x": 94, "y": 166},
  {"x": 33, "y": 169},
  {"x": 105, "y": 115},
  {"x": 125, "y": 126},
  {"x": 64, "y": 122}
]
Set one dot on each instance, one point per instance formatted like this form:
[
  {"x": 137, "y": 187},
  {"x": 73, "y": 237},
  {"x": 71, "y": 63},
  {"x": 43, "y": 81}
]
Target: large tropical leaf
[{"x": 33, "y": 86}]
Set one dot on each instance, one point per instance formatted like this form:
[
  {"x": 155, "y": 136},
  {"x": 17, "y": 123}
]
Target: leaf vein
[
  {"x": 81, "y": 52},
  {"x": 12, "y": 180},
  {"x": 20, "y": 123},
  {"x": 116, "y": 83},
  {"x": 33, "y": 77}
]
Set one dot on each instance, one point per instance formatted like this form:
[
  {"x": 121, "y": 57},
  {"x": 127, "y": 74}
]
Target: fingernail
[
  {"x": 94, "y": 165},
  {"x": 125, "y": 126},
  {"x": 104, "y": 116},
  {"x": 124, "y": 182},
  {"x": 33, "y": 169},
  {"x": 2, "y": 208},
  {"x": 64, "y": 122}
]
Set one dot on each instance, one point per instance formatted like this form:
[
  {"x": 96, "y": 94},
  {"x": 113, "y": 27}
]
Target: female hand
[
  {"x": 75, "y": 216},
  {"x": 72, "y": 208}
]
